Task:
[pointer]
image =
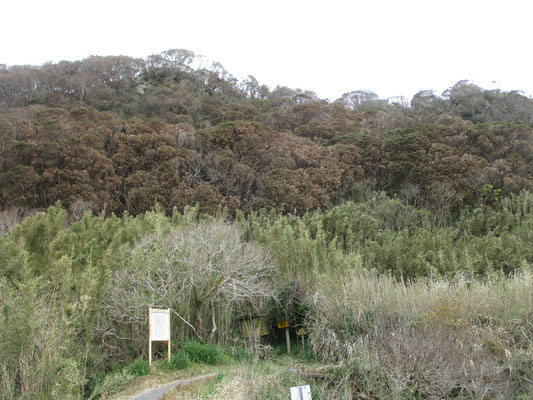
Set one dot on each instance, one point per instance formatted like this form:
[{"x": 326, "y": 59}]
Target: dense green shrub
[
  {"x": 180, "y": 360},
  {"x": 239, "y": 353},
  {"x": 203, "y": 353},
  {"x": 139, "y": 367}
]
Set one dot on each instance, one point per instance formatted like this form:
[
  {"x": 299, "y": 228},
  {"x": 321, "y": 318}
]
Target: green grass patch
[
  {"x": 139, "y": 367},
  {"x": 203, "y": 353}
]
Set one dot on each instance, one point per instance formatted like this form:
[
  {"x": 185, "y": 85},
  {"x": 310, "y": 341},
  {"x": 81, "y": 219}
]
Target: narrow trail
[{"x": 154, "y": 394}]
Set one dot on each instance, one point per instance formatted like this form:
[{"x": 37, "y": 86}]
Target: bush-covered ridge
[
  {"x": 82, "y": 156},
  {"x": 125, "y": 133}
]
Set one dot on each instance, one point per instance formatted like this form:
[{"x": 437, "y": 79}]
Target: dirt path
[{"x": 154, "y": 394}]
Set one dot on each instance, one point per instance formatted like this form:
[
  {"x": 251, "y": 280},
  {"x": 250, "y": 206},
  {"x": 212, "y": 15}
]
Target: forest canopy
[{"x": 123, "y": 134}]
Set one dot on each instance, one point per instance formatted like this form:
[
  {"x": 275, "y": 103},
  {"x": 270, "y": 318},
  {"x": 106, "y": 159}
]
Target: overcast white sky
[{"x": 393, "y": 47}]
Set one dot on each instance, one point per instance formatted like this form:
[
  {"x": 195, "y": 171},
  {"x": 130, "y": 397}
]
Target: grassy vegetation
[
  {"x": 235, "y": 377},
  {"x": 461, "y": 338}
]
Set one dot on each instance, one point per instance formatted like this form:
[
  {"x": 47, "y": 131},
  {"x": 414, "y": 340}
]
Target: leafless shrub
[
  {"x": 410, "y": 194},
  {"x": 8, "y": 218},
  {"x": 203, "y": 271},
  {"x": 439, "y": 363},
  {"x": 11, "y": 217},
  {"x": 78, "y": 208}
]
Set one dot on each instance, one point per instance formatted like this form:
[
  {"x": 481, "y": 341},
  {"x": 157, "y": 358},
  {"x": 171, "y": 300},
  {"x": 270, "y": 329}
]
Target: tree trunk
[{"x": 213, "y": 322}]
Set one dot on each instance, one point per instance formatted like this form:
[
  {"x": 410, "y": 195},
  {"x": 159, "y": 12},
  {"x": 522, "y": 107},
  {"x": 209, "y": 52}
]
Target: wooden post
[
  {"x": 287, "y": 336},
  {"x": 169, "y": 350},
  {"x": 301, "y": 332}
]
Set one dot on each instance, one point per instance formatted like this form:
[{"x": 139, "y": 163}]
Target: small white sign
[
  {"x": 159, "y": 325},
  {"x": 301, "y": 393}
]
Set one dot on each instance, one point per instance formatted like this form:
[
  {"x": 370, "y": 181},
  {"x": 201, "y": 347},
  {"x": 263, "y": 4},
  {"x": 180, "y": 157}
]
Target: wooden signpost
[
  {"x": 158, "y": 329},
  {"x": 301, "y": 332}
]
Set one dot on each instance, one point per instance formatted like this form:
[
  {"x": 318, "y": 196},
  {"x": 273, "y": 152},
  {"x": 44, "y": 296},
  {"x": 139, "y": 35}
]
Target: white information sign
[
  {"x": 159, "y": 325},
  {"x": 301, "y": 393},
  {"x": 159, "y": 329}
]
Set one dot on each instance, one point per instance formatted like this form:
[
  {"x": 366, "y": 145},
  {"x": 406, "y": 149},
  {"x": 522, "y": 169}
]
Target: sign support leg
[
  {"x": 150, "y": 352},
  {"x": 149, "y": 336}
]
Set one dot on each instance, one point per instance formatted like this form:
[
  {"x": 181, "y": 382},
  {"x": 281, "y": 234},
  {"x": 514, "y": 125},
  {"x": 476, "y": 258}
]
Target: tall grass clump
[{"x": 432, "y": 338}]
